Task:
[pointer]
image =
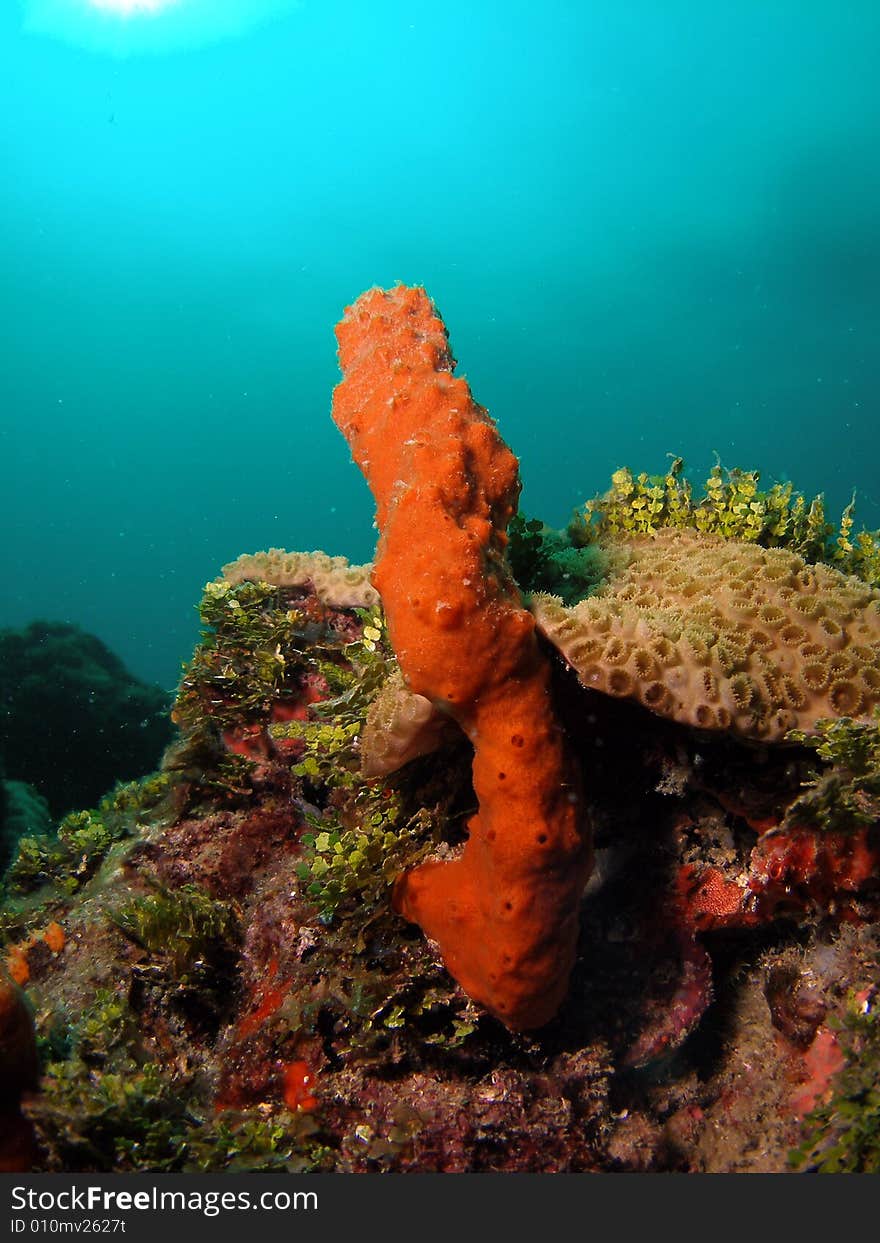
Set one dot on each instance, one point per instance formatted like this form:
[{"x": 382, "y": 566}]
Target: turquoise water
[{"x": 651, "y": 228}]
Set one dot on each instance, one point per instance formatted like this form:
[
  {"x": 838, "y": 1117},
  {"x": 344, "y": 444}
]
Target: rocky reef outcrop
[{"x": 212, "y": 964}]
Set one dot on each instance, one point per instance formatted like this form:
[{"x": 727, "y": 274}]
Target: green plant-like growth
[
  {"x": 857, "y": 554},
  {"x": 329, "y": 751},
  {"x": 106, "y": 1104},
  {"x": 368, "y": 662},
  {"x": 330, "y": 756},
  {"x": 71, "y": 856},
  {"x": 637, "y": 504},
  {"x": 359, "y": 847},
  {"x": 731, "y": 505},
  {"x": 365, "y": 838},
  {"x": 14, "y": 924},
  {"x": 424, "y": 1002},
  {"x": 843, "y": 1136},
  {"x": 248, "y": 657},
  {"x": 380, "y": 989},
  {"x": 546, "y": 560},
  {"x": 180, "y": 925},
  {"x": 37, "y": 862},
  {"x": 257, "y": 653},
  {"x": 284, "y": 1143},
  {"x": 363, "y": 862},
  {"x": 106, "y": 1025},
  {"x": 134, "y": 803},
  {"x": 123, "y": 1119},
  {"x": 354, "y": 850},
  {"x": 845, "y": 792}
]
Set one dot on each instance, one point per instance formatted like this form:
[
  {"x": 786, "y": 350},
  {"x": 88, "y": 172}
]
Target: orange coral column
[{"x": 505, "y": 912}]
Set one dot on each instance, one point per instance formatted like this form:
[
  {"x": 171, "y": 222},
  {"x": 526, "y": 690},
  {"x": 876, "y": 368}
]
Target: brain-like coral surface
[
  {"x": 335, "y": 581},
  {"x": 719, "y": 634}
]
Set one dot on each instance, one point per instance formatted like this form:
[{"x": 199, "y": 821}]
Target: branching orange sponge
[{"x": 504, "y": 913}]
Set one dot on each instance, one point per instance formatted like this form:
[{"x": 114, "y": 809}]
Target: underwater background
[{"x": 651, "y": 226}]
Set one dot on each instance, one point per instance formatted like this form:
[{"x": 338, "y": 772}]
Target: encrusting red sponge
[{"x": 505, "y": 913}]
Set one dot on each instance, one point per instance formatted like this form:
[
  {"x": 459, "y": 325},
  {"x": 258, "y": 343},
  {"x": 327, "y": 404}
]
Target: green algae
[
  {"x": 180, "y": 926},
  {"x": 843, "y": 792},
  {"x": 362, "y": 863},
  {"x": 107, "y": 1104},
  {"x": 842, "y": 1136},
  {"x": 247, "y": 658},
  {"x": 730, "y": 504},
  {"x": 546, "y": 560},
  {"x": 68, "y": 858}
]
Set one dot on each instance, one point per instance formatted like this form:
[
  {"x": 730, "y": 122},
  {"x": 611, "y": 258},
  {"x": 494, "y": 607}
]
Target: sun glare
[
  {"x": 131, "y": 8},
  {"x": 125, "y": 28}
]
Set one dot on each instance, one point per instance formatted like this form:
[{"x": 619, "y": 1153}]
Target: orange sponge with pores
[{"x": 504, "y": 914}]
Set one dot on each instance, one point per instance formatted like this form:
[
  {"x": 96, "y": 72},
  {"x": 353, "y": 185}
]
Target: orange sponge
[{"x": 504, "y": 914}]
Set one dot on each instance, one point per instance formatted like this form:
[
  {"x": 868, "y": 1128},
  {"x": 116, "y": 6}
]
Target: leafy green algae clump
[
  {"x": 247, "y": 658},
  {"x": 363, "y": 862},
  {"x": 843, "y": 1136},
  {"x": 733, "y": 506},
  {"x": 265, "y": 650},
  {"x": 546, "y": 560},
  {"x": 69, "y": 857},
  {"x": 845, "y": 792},
  {"x": 364, "y": 839},
  {"x": 180, "y": 925},
  {"x": 106, "y": 1104}
]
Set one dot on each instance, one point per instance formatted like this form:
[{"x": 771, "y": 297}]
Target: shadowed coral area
[{"x": 505, "y": 912}]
